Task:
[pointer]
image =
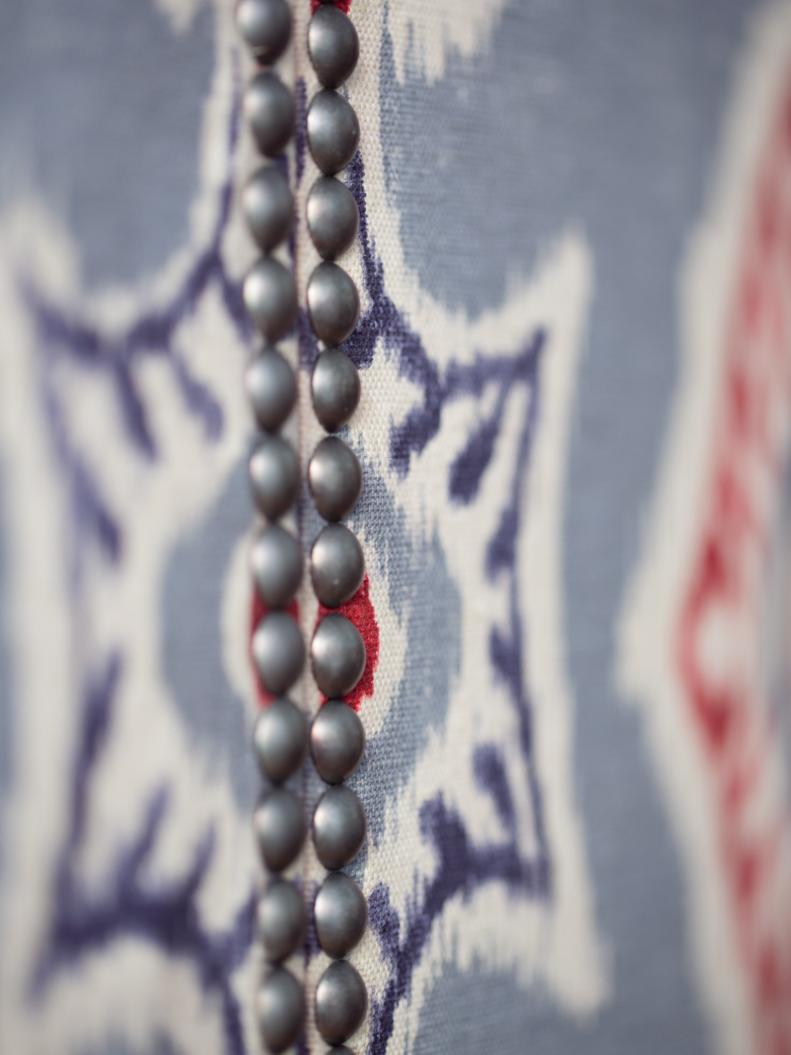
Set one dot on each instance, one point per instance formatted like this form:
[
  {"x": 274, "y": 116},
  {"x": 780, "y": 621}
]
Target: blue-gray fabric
[{"x": 606, "y": 118}]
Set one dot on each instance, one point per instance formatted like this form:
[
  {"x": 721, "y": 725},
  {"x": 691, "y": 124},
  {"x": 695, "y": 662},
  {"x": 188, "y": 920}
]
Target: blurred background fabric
[{"x": 574, "y": 261}]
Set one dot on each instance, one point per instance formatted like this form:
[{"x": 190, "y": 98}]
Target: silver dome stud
[
  {"x": 270, "y": 297},
  {"x": 340, "y": 913},
  {"x": 271, "y": 388},
  {"x": 274, "y": 475},
  {"x": 268, "y": 206},
  {"x": 280, "y": 1010},
  {"x": 279, "y": 828},
  {"x": 334, "y": 388},
  {"x": 332, "y": 215},
  {"x": 276, "y": 564},
  {"x": 333, "y": 131},
  {"x": 341, "y": 1002},
  {"x": 333, "y": 46},
  {"x": 333, "y": 303},
  {"x": 338, "y": 827},
  {"x": 337, "y": 654},
  {"x": 334, "y": 478},
  {"x": 281, "y": 919},
  {"x": 336, "y": 565},
  {"x": 269, "y": 107},
  {"x": 278, "y": 651},
  {"x": 336, "y": 741},
  {"x": 265, "y": 26},
  {"x": 280, "y": 738}
]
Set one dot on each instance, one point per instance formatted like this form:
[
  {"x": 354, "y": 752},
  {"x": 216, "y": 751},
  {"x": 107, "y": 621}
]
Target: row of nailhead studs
[
  {"x": 280, "y": 735},
  {"x": 337, "y": 651},
  {"x": 336, "y": 560}
]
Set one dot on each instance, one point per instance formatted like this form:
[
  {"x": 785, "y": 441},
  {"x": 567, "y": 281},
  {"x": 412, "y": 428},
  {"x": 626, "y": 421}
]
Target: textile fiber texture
[{"x": 575, "y": 436}]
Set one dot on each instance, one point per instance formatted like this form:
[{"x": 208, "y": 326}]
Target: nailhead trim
[
  {"x": 280, "y": 738},
  {"x": 340, "y": 999},
  {"x": 337, "y": 650}
]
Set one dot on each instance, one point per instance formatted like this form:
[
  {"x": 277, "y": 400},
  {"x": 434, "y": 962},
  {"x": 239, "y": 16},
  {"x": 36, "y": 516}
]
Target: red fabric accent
[
  {"x": 360, "y": 611},
  {"x": 735, "y": 538},
  {"x": 344, "y": 5},
  {"x": 257, "y": 612}
]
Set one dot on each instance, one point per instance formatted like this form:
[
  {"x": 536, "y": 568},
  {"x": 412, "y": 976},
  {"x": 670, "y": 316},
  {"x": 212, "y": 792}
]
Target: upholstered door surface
[{"x": 574, "y": 270}]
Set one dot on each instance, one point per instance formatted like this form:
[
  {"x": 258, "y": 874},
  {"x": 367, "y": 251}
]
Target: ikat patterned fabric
[{"x": 575, "y": 348}]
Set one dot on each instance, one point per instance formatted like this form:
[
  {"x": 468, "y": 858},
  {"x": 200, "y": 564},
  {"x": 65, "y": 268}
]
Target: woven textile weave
[{"x": 575, "y": 433}]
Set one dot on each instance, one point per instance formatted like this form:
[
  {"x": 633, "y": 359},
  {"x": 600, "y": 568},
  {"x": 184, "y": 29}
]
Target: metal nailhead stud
[
  {"x": 334, "y": 478},
  {"x": 276, "y": 564},
  {"x": 281, "y": 1010},
  {"x": 335, "y": 388},
  {"x": 341, "y": 1002},
  {"x": 265, "y": 26},
  {"x": 332, "y": 215},
  {"x": 278, "y": 651},
  {"x": 333, "y": 303},
  {"x": 332, "y": 45},
  {"x": 340, "y": 913},
  {"x": 337, "y": 655},
  {"x": 269, "y": 107},
  {"x": 281, "y": 919},
  {"x": 274, "y": 475},
  {"x": 280, "y": 737},
  {"x": 336, "y": 565},
  {"x": 336, "y": 741},
  {"x": 279, "y": 828},
  {"x": 270, "y": 297},
  {"x": 333, "y": 131},
  {"x": 338, "y": 827},
  {"x": 268, "y": 206},
  {"x": 271, "y": 388}
]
